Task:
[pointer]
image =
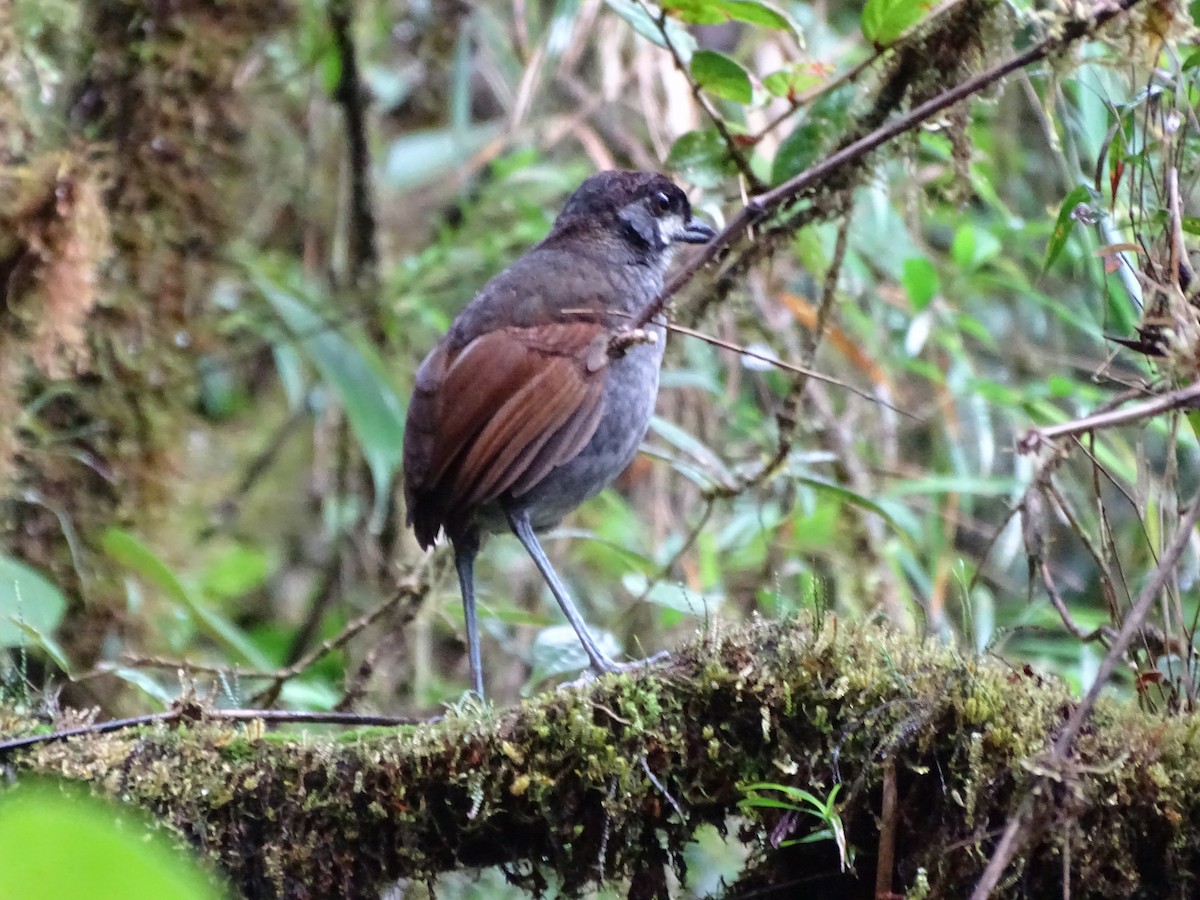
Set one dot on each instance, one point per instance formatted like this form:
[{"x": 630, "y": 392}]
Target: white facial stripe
[{"x": 671, "y": 228}]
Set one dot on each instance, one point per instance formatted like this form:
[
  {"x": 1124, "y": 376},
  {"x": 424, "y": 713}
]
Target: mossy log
[{"x": 609, "y": 781}]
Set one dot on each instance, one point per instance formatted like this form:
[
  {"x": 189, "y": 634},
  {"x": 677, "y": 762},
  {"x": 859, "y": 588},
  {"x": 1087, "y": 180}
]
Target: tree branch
[
  {"x": 350, "y": 95},
  {"x": 610, "y": 781},
  {"x": 763, "y": 206}
]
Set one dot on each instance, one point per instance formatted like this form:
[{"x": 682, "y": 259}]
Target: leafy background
[{"x": 200, "y": 468}]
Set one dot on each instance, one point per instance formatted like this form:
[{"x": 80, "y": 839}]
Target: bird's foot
[
  {"x": 635, "y": 664},
  {"x": 605, "y": 666}
]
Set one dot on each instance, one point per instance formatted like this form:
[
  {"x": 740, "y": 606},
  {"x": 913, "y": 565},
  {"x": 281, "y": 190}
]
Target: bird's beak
[{"x": 696, "y": 232}]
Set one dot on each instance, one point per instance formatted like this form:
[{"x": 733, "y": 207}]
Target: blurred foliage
[
  {"x": 237, "y": 407},
  {"x": 58, "y": 843}
]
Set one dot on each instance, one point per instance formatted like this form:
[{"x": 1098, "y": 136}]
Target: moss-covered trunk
[
  {"x": 112, "y": 220},
  {"x": 610, "y": 781}
]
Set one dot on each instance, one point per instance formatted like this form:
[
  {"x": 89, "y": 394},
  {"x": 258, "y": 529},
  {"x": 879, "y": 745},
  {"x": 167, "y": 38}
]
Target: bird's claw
[{"x": 587, "y": 676}]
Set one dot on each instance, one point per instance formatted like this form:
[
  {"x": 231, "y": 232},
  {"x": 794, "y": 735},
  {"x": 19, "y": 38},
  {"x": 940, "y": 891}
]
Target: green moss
[{"x": 562, "y": 780}]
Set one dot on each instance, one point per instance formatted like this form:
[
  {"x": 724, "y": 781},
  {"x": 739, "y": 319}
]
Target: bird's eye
[{"x": 661, "y": 203}]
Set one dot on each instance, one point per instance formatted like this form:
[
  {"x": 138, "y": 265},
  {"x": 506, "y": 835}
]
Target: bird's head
[{"x": 646, "y": 210}]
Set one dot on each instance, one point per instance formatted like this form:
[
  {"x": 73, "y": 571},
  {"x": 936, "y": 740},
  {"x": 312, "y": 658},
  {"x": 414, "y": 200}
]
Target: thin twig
[
  {"x": 227, "y": 508},
  {"x": 1105, "y": 576},
  {"x": 662, "y": 789},
  {"x": 735, "y": 152},
  {"x": 411, "y": 592},
  {"x": 1035, "y": 438},
  {"x": 693, "y": 534},
  {"x": 887, "y": 832},
  {"x": 187, "y": 667},
  {"x": 993, "y": 539},
  {"x": 356, "y": 686},
  {"x": 321, "y": 599},
  {"x": 1020, "y": 826},
  {"x": 628, "y": 337},
  {"x": 816, "y": 93},
  {"x": 924, "y": 26},
  {"x": 796, "y": 368},
  {"x": 1103, "y": 633},
  {"x": 785, "y": 418},
  {"x": 191, "y": 713},
  {"x": 1181, "y": 274}
]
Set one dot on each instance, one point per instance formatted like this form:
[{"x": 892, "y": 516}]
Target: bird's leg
[
  {"x": 465, "y": 549},
  {"x": 519, "y": 521}
]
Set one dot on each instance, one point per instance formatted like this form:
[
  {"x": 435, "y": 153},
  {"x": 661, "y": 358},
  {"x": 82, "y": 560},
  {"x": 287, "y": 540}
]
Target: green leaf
[
  {"x": 641, "y": 18},
  {"x": 144, "y": 682},
  {"x": 1062, "y": 386},
  {"x": 1066, "y": 219},
  {"x": 795, "y": 80},
  {"x": 421, "y": 156},
  {"x": 26, "y": 598},
  {"x": 1193, "y": 417},
  {"x": 883, "y": 21},
  {"x": 920, "y": 280},
  {"x": 813, "y": 533},
  {"x": 765, "y": 803},
  {"x": 975, "y": 486},
  {"x": 722, "y": 76},
  {"x": 717, "y": 12},
  {"x": 56, "y": 843},
  {"x": 331, "y": 70},
  {"x": 823, "y": 834},
  {"x": 832, "y": 489},
  {"x": 973, "y": 246},
  {"x": 804, "y": 145},
  {"x": 462, "y": 71},
  {"x": 962, "y": 247},
  {"x": 673, "y": 595},
  {"x": 797, "y": 795},
  {"x": 701, "y": 157},
  {"x": 125, "y": 549},
  {"x": 798, "y": 151},
  {"x": 557, "y": 650},
  {"x": 48, "y": 645},
  {"x": 684, "y": 440},
  {"x": 237, "y": 571},
  {"x": 352, "y": 368}
]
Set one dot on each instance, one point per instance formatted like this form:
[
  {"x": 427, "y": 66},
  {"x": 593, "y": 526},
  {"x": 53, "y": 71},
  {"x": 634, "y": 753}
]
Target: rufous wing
[{"x": 498, "y": 416}]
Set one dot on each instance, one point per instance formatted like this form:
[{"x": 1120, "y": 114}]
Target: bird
[{"x": 527, "y": 406}]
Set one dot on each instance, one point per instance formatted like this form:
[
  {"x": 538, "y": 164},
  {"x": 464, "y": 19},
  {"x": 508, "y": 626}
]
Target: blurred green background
[{"x": 232, "y": 234}]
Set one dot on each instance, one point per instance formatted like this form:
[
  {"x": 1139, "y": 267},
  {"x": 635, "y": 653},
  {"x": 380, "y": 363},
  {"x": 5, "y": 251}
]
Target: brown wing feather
[
  {"x": 475, "y": 382},
  {"x": 519, "y": 429},
  {"x": 568, "y": 441},
  {"x": 499, "y": 414},
  {"x": 420, "y": 447}
]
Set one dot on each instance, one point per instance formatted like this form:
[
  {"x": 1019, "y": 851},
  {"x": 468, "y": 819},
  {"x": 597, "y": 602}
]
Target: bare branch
[{"x": 1036, "y": 438}]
